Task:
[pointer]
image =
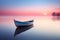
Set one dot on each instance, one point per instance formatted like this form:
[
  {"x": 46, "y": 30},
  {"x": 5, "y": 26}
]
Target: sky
[{"x": 28, "y": 7}]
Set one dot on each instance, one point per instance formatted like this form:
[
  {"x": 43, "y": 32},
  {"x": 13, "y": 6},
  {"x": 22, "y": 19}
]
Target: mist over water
[{"x": 43, "y": 28}]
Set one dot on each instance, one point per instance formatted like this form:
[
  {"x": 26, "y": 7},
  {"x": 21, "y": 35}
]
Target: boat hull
[{"x": 28, "y": 23}]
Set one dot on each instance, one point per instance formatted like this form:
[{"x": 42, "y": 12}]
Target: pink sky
[
  {"x": 28, "y": 12},
  {"x": 29, "y": 7}
]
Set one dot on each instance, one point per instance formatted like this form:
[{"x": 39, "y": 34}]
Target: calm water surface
[{"x": 43, "y": 28}]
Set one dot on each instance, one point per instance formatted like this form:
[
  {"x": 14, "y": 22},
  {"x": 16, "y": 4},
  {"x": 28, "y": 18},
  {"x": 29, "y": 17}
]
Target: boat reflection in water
[
  {"x": 21, "y": 29},
  {"x": 56, "y": 18}
]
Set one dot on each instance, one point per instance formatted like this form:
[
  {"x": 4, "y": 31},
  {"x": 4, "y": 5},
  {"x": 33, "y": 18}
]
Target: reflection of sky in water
[{"x": 44, "y": 28}]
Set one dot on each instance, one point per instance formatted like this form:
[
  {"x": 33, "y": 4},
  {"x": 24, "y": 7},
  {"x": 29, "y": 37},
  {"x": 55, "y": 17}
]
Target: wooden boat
[{"x": 26, "y": 23}]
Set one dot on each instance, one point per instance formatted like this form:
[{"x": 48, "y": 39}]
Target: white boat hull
[{"x": 27, "y": 23}]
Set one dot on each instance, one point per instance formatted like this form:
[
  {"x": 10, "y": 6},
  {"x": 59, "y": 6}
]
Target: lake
[{"x": 44, "y": 28}]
